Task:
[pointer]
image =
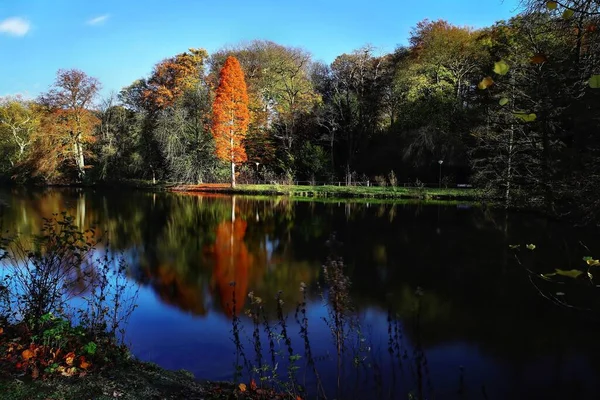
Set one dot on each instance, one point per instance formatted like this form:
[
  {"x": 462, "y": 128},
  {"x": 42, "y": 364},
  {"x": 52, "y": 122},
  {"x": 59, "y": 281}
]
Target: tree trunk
[
  {"x": 232, "y": 174},
  {"x": 79, "y": 159},
  {"x": 509, "y": 168}
]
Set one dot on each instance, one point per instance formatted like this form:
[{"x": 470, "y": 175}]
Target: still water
[{"x": 441, "y": 307}]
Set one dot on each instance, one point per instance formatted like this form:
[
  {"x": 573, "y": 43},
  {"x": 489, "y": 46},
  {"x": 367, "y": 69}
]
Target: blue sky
[{"x": 118, "y": 41}]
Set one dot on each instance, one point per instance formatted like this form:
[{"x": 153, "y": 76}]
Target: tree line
[{"x": 511, "y": 108}]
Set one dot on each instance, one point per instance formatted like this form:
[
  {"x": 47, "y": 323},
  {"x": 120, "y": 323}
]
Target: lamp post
[{"x": 440, "y": 178}]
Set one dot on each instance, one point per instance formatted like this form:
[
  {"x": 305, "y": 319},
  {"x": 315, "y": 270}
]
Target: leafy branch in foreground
[{"x": 62, "y": 310}]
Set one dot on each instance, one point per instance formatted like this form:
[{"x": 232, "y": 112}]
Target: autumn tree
[
  {"x": 172, "y": 77},
  {"x": 69, "y": 119},
  {"x": 231, "y": 115},
  {"x": 19, "y": 120},
  {"x": 281, "y": 99}
]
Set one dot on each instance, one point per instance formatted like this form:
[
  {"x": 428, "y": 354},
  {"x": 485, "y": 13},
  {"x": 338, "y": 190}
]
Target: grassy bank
[{"x": 329, "y": 191}]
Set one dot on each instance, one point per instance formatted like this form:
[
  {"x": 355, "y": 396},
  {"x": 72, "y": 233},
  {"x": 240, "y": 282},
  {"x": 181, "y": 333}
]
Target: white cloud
[
  {"x": 98, "y": 20},
  {"x": 15, "y": 26}
]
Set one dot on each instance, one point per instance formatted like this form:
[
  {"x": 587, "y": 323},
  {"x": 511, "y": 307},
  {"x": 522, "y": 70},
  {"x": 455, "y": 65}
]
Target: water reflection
[{"x": 478, "y": 309}]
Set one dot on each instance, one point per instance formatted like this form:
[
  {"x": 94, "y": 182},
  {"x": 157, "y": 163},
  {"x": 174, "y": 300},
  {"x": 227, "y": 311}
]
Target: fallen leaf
[
  {"x": 539, "y": 58},
  {"x": 503, "y": 101},
  {"x": 35, "y": 373},
  {"x": 27, "y": 354},
  {"x": 69, "y": 371},
  {"x": 242, "y": 387},
  {"x": 69, "y": 358},
  {"x": 83, "y": 363}
]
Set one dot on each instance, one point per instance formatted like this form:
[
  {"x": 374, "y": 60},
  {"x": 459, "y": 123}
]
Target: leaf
[
  {"x": 485, "y": 83},
  {"x": 252, "y": 385},
  {"x": 595, "y": 82},
  {"x": 83, "y": 364},
  {"x": 69, "y": 358},
  {"x": 514, "y": 246},
  {"x": 551, "y": 5},
  {"x": 525, "y": 117},
  {"x": 35, "y": 373},
  {"x": 27, "y": 354},
  {"x": 538, "y": 58},
  {"x": 592, "y": 263},
  {"x": 503, "y": 101},
  {"x": 530, "y": 247},
  {"x": 1, "y": 330},
  {"x": 568, "y": 13},
  {"x": 69, "y": 371},
  {"x": 242, "y": 387},
  {"x": 501, "y": 67},
  {"x": 572, "y": 273},
  {"x": 560, "y": 293}
]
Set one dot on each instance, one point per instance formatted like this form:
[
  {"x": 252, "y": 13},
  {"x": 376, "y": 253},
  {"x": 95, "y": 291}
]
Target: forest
[{"x": 512, "y": 109}]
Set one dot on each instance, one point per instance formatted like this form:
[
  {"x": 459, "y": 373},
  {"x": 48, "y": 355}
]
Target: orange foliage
[
  {"x": 172, "y": 77},
  {"x": 55, "y": 143},
  {"x": 232, "y": 264},
  {"x": 174, "y": 289},
  {"x": 230, "y": 113}
]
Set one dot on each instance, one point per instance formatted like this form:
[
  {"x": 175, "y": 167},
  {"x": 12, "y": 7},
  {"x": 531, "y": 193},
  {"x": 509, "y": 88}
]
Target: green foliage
[{"x": 90, "y": 348}]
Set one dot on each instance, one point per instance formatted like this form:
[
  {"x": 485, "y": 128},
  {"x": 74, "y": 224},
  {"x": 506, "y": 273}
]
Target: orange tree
[{"x": 231, "y": 115}]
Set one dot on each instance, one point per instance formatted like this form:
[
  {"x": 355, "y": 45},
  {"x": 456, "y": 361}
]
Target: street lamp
[{"x": 440, "y": 179}]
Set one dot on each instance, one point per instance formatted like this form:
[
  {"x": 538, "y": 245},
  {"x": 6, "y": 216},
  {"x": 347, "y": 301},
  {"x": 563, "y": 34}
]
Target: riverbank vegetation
[
  {"x": 332, "y": 191},
  {"x": 508, "y": 108}
]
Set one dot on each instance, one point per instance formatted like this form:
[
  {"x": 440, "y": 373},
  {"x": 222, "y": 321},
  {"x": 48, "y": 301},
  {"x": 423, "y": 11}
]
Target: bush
[{"x": 44, "y": 332}]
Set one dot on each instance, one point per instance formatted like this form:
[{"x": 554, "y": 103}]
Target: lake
[{"x": 440, "y": 307}]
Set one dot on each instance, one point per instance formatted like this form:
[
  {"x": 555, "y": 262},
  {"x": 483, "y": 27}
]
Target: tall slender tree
[{"x": 231, "y": 115}]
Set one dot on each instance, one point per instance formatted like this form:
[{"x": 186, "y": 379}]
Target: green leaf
[
  {"x": 514, "y": 246},
  {"x": 501, "y": 67},
  {"x": 530, "y": 247},
  {"x": 503, "y": 101},
  {"x": 525, "y": 117},
  {"x": 551, "y": 5},
  {"x": 595, "y": 82},
  {"x": 573, "y": 273},
  {"x": 568, "y": 13}
]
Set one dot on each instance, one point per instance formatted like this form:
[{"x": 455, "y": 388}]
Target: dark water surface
[{"x": 480, "y": 329}]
